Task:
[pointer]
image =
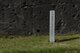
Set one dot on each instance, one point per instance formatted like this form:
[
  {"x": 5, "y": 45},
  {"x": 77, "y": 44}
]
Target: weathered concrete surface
[{"x": 27, "y": 17}]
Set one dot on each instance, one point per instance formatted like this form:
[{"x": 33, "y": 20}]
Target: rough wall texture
[{"x": 32, "y": 16}]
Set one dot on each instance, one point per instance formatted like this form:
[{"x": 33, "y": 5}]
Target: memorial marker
[{"x": 52, "y": 26}]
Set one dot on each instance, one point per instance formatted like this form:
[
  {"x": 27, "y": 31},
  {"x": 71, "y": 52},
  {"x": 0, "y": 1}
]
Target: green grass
[{"x": 40, "y": 44}]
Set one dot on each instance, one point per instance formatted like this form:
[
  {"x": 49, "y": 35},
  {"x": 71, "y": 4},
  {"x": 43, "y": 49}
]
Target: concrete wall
[{"x": 27, "y": 17}]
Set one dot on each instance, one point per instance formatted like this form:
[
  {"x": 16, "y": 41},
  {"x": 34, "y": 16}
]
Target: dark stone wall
[{"x": 27, "y": 17}]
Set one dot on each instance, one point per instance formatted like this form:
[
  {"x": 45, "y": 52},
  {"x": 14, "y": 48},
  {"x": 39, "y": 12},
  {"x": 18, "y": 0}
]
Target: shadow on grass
[{"x": 67, "y": 39}]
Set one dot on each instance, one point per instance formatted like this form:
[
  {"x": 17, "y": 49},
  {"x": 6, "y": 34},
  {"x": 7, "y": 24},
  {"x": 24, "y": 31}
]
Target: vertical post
[{"x": 52, "y": 26}]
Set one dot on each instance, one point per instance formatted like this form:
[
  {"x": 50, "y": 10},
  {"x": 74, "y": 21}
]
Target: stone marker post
[{"x": 52, "y": 26}]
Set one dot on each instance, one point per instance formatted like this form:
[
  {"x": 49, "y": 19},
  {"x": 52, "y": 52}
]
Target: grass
[{"x": 41, "y": 44}]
